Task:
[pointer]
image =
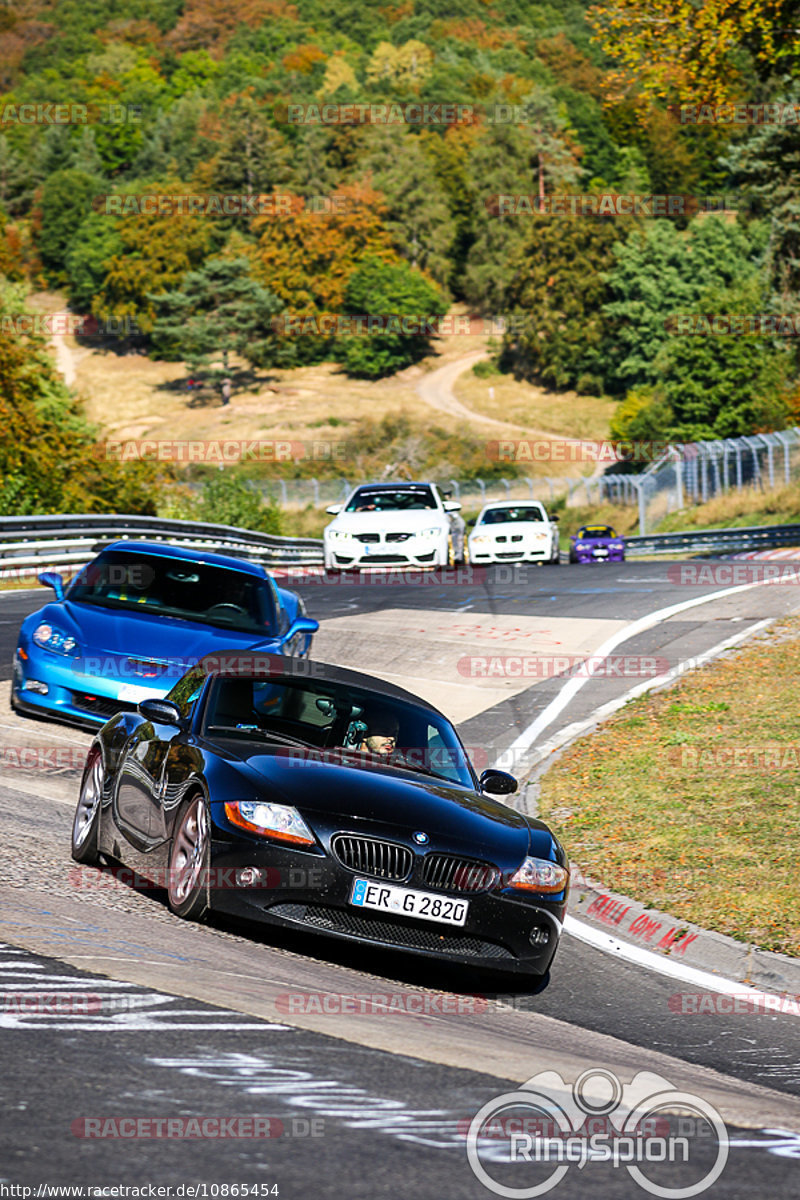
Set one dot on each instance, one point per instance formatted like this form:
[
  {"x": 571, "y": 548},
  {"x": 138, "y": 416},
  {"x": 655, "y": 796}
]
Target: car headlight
[
  {"x": 480, "y": 538},
  {"x": 51, "y": 638},
  {"x": 433, "y": 531},
  {"x": 270, "y": 820},
  {"x": 615, "y": 545},
  {"x": 540, "y": 875},
  {"x": 340, "y": 534}
]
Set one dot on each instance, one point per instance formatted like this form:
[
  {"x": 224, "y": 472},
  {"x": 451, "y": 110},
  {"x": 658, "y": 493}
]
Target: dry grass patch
[
  {"x": 565, "y": 414},
  {"x": 689, "y": 800}
]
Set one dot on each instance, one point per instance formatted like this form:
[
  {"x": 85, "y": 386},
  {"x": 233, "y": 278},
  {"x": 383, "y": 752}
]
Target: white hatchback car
[
  {"x": 511, "y": 532},
  {"x": 394, "y": 524}
]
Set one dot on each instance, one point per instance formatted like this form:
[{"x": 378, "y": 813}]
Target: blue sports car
[{"x": 135, "y": 619}]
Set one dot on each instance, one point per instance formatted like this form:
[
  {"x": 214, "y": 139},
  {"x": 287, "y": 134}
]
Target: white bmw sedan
[
  {"x": 394, "y": 524},
  {"x": 506, "y": 532}
]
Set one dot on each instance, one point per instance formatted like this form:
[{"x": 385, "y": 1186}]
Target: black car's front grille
[
  {"x": 454, "y": 874},
  {"x": 367, "y": 537},
  {"x": 370, "y": 856},
  {"x": 101, "y": 706},
  {"x": 389, "y": 933}
]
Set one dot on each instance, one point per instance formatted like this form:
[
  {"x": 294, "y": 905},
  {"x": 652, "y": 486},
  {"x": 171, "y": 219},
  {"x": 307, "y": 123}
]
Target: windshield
[
  {"x": 596, "y": 531},
  {"x": 176, "y": 588},
  {"x": 357, "y": 725},
  {"x": 524, "y": 512},
  {"x": 401, "y": 499}
]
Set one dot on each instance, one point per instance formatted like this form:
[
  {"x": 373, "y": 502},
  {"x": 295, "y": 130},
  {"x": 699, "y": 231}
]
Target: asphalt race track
[{"x": 390, "y": 1057}]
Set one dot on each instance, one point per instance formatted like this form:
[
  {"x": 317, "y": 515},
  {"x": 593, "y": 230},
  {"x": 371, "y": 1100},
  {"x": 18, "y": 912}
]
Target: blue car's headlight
[{"x": 51, "y": 638}]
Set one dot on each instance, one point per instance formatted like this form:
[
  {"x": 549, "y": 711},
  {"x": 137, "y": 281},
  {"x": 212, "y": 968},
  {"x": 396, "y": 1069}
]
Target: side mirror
[
  {"x": 498, "y": 783},
  {"x": 554, "y": 518},
  {"x": 54, "y": 580},
  {"x": 160, "y": 712},
  {"x": 334, "y": 509},
  {"x": 303, "y": 625},
  {"x": 452, "y": 505}
]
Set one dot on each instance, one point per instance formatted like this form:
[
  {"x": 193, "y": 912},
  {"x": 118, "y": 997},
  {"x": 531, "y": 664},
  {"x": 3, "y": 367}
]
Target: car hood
[
  {"x": 389, "y": 522},
  {"x": 333, "y": 794},
  {"x": 512, "y": 527},
  {"x": 114, "y": 631}
]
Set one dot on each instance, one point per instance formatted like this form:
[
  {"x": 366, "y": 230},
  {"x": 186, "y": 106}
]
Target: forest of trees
[{"x": 176, "y": 100}]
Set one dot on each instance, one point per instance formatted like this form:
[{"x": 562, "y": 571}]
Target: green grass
[{"x": 689, "y": 800}]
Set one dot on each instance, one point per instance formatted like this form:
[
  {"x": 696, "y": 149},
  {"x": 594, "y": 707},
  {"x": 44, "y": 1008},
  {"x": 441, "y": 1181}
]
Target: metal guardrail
[
  {"x": 28, "y": 544},
  {"x": 69, "y": 539},
  {"x": 709, "y": 541}
]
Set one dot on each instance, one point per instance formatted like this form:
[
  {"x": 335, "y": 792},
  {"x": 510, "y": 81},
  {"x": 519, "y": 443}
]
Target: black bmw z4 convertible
[{"x": 303, "y": 795}]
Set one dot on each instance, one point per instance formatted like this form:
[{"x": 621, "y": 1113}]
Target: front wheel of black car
[
  {"x": 189, "y": 861},
  {"x": 86, "y": 825}
]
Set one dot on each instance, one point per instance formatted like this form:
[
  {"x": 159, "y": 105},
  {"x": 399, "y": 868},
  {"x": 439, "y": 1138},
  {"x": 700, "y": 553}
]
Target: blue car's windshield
[
  {"x": 176, "y": 588},
  {"x": 338, "y": 719}
]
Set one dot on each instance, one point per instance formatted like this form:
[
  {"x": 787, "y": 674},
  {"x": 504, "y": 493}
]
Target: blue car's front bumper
[{"x": 72, "y": 694}]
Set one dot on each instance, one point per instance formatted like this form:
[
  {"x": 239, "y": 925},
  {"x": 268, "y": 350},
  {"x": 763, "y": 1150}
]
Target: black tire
[
  {"x": 86, "y": 824},
  {"x": 189, "y": 858},
  {"x": 573, "y": 558}
]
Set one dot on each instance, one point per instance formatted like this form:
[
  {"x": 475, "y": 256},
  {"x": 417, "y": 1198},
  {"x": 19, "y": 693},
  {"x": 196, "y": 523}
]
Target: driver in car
[{"x": 381, "y": 734}]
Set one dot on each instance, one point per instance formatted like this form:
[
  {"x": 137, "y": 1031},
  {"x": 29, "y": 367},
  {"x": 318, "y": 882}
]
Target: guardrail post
[
  {"x": 640, "y": 487},
  {"x": 315, "y": 486},
  {"x": 507, "y": 486},
  {"x": 482, "y": 486},
  {"x": 456, "y": 488}
]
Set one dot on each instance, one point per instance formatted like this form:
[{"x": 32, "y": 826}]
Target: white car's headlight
[
  {"x": 51, "y": 638},
  {"x": 432, "y": 531},
  {"x": 540, "y": 875},
  {"x": 480, "y": 538},
  {"x": 341, "y": 534},
  {"x": 270, "y": 820}
]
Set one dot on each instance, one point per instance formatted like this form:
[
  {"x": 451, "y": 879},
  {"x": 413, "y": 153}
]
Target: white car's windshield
[
  {"x": 499, "y": 516},
  {"x": 401, "y": 499}
]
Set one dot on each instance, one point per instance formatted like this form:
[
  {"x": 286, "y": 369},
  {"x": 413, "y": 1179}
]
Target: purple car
[{"x": 597, "y": 543}]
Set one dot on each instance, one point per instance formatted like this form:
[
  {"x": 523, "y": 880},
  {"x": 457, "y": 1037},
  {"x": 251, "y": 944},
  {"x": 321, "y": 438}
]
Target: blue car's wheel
[
  {"x": 188, "y": 862},
  {"x": 86, "y": 825}
]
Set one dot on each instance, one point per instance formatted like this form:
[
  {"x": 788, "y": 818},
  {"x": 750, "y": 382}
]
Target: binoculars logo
[{"x": 673, "y": 1144}]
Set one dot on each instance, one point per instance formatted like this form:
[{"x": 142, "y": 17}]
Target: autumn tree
[{"x": 306, "y": 257}]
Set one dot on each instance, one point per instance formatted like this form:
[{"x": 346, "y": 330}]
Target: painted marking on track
[{"x": 133, "y": 1010}]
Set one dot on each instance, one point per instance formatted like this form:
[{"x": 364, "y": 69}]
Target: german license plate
[{"x": 405, "y": 902}]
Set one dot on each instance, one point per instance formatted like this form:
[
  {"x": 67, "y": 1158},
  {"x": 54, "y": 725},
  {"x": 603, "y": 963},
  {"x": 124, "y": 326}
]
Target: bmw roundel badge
[{"x": 421, "y": 838}]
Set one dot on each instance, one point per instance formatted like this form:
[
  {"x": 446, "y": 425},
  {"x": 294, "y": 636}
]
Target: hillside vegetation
[{"x": 172, "y": 168}]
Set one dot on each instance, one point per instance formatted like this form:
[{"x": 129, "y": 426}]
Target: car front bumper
[{"x": 311, "y": 892}]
